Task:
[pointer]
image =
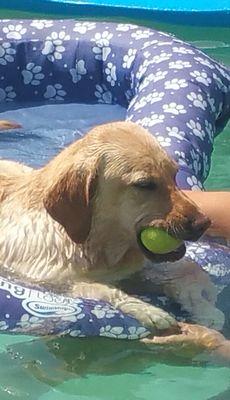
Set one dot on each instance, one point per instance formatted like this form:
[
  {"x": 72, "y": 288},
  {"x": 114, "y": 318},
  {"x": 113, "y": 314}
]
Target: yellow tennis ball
[{"x": 159, "y": 241}]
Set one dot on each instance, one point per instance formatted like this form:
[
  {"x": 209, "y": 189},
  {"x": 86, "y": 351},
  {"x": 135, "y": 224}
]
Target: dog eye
[{"x": 147, "y": 184}]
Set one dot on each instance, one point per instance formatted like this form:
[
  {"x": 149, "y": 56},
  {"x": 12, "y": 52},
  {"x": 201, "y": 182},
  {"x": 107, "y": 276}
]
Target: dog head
[{"x": 105, "y": 188}]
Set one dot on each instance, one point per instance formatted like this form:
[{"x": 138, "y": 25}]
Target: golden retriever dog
[{"x": 74, "y": 225}]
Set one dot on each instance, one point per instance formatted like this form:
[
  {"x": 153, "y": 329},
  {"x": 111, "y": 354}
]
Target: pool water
[
  {"x": 48, "y": 129},
  {"x": 102, "y": 369},
  {"x": 219, "y": 177}
]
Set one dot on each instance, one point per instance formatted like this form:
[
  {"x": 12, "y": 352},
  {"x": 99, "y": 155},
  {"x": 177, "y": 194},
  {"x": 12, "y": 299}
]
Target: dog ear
[{"x": 69, "y": 202}]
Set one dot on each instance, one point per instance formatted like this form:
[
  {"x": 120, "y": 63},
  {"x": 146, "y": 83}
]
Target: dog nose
[
  {"x": 197, "y": 226},
  {"x": 201, "y": 223}
]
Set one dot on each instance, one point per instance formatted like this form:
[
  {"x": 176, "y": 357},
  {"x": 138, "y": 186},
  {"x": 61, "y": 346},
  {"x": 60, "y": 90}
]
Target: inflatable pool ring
[
  {"x": 35, "y": 311},
  {"x": 171, "y": 88}
]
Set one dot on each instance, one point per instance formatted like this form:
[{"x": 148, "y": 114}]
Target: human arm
[{"x": 216, "y": 205}]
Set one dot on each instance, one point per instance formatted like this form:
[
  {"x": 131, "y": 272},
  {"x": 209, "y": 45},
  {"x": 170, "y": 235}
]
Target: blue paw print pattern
[
  {"x": 213, "y": 257},
  {"x": 33, "y": 311},
  {"x": 168, "y": 86}
]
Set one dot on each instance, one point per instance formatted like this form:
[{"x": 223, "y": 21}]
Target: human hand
[
  {"x": 5, "y": 125},
  {"x": 191, "y": 341}
]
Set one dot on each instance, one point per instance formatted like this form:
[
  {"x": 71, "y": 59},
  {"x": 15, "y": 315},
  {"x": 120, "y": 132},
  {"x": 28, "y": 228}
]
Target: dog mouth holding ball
[
  {"x": 159, "y": 246},
  {"x": 160, "y": 242}
]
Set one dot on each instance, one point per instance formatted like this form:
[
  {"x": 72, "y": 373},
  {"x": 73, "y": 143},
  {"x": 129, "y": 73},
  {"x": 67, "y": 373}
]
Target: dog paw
[
  {"x": 152, "y": 318},
  {"x": 208, "y": 316},
  {"x": 158, "y": 320}
]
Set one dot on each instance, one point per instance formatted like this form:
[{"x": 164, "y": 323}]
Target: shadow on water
[
  {"x": 222, "y": 396},
  {"x": 85, "y": 356},
  {"x": 30, "y": 369}
]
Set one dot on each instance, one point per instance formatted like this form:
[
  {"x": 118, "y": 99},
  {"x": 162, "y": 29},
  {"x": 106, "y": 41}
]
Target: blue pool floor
[{"x": 47, "y": 129}]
